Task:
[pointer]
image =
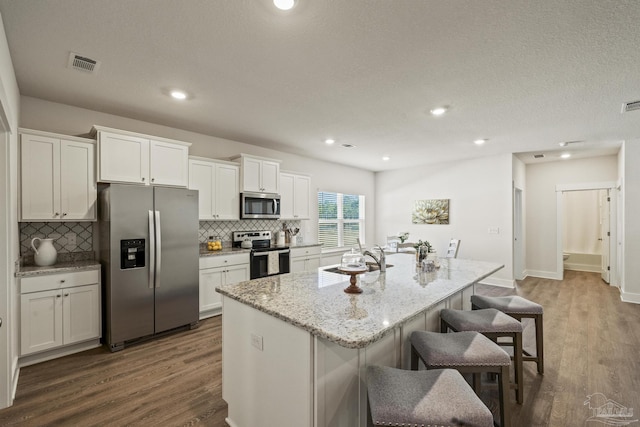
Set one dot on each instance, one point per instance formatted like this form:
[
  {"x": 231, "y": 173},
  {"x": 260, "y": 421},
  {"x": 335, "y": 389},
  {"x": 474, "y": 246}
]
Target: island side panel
[
  {"x": 340, "y": 378},
  {"x": 272, "y": 386}
]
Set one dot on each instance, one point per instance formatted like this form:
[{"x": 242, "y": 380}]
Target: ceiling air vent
[
  {"x": 631, "y": 106},
  {"x": 82, "y": 63},
  {"x": 538, "y": 156}
]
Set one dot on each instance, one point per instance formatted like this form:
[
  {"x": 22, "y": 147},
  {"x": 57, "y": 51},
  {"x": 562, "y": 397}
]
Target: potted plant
[{"x": 422, "y": 249}]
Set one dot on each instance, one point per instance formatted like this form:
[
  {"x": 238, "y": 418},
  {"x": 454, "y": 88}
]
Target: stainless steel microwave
[{"x": 259, "y": 206}]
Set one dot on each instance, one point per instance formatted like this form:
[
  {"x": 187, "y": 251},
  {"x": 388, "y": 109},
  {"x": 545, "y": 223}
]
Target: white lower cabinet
[
  {"x": 305, "y": 259},
  {"x": 59, "y": 310},
  {"x": 219, "y": 270}
]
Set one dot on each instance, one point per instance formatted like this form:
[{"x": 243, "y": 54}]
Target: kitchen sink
[{"x": 371, "y": 266}]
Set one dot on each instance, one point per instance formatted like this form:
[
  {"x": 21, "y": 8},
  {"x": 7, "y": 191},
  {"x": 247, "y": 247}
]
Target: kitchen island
[{"x": 296, "y": 346}]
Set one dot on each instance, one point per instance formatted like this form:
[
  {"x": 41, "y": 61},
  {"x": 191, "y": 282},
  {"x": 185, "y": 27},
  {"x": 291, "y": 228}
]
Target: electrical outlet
[
  {"x": 494, "y": 230},
  {"x": 256, "y": 341},
  {"x": 71, "y": 240}
]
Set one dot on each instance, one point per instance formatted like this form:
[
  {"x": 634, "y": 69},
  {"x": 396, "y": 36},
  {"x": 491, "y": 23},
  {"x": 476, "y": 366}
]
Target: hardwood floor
[
  {"x": 172, "y": 381},
  {"x": 592, "y": 342}
]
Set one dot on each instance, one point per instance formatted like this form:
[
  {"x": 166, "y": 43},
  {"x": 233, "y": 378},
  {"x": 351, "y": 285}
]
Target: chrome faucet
[{"x": 382, "y": 261}]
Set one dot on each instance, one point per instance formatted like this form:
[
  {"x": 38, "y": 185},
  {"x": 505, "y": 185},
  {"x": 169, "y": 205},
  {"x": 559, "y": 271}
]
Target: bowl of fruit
[{"x": 214, "y": 244}]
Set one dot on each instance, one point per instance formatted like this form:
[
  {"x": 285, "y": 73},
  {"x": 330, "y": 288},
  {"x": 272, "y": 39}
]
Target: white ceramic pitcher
[{"x": 45, "y": 253}]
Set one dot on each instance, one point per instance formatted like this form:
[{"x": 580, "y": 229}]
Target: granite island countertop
[{"x": 315, "y": 301}]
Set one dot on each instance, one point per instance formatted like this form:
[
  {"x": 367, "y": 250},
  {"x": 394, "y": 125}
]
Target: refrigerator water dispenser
[{"x": 131, "y": 253}]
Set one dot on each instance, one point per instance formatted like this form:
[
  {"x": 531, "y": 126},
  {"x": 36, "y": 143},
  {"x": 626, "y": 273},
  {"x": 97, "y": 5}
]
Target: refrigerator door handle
[
  {"x": 158, "y": 249},
  {"x": 152, "y": 252}
]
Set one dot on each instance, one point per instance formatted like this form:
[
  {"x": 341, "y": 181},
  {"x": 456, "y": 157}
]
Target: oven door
[
  {"x": 259, "y": 206},
  {"x": 260, "y": 263}
]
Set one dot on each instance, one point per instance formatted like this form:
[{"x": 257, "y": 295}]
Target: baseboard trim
[
  {"x": 629, "y": 297},
  {"x": 503, "y": 283},
  {"x": 228, "y": 421},
  {"x": 32, "y": 359},
  {"x": 582, "y": 267},
  {"x": 544, "y": 274}
]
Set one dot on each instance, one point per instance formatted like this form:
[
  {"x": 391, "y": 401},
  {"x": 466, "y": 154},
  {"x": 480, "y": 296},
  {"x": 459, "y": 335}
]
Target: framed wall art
[{"x": 431, "y": 211}]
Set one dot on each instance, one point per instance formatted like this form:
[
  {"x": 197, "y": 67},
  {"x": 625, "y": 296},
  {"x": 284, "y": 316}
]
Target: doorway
[
  {"x": 518, "y": 239},
  {"x": 586, "y": 229}
]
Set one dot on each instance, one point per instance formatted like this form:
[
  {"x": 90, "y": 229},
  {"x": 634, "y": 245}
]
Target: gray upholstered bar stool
[
  {"x": 518, "y": 308},
  {"x": 465, "y": 352},
  {"x": 493, "y": 324},
  {"x": 441, "y": 397}
]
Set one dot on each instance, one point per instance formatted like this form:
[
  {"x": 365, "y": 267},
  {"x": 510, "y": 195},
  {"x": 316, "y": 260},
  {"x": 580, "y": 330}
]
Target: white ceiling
[{"x": 524, "y": 74}]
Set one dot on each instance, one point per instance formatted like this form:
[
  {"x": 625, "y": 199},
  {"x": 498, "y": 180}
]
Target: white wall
[
  {"x": 631, "y": 196},
  {"x": 9, "y": 109},
  {"x": 541, "y": 213},
  {"x": 480, "y": 197},
  {"x": 54, "y": 117}
]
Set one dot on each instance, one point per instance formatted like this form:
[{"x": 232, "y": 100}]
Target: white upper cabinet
[
  {"x": 218, "y": 188},
  {"x": 259, "y": 175},
  {"x": 57, "y": 177},
  {"x": 123, "y": 158},
  {"x": 294, "y": 196},
  {"x": 169, "y": 163},
  {"x": 141, "y": 159}
]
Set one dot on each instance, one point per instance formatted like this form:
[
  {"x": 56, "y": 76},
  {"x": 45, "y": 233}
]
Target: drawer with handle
[{"x": 58, "y": 281}]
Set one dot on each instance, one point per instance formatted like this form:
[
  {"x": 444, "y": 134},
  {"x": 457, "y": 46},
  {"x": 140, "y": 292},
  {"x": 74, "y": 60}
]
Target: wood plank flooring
[{"x": 592, "y": 344}]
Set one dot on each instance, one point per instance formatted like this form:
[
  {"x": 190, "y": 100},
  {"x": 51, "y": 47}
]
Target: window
[{"x": 340, "y": 219}]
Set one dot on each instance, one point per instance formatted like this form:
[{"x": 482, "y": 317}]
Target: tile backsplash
[
  {"x": 223, "y": 229},
  {"x": 62, "y": 233}
]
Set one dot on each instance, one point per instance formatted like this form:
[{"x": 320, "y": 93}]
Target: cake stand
[{"x": 353, "y": 272}]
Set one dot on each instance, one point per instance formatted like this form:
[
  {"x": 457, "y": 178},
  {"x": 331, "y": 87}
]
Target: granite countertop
[
  {"x": 61, "y": 267},
  {"x": 224, "y": 251},
  {"x": 316, "y": 302}
]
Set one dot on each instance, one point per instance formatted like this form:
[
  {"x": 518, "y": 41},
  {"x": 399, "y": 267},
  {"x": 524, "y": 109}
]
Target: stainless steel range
[{"x": 266, "y": 259}]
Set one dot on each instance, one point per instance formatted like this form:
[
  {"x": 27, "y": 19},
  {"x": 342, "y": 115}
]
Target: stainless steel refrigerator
[{"x": 149, "y": 255}]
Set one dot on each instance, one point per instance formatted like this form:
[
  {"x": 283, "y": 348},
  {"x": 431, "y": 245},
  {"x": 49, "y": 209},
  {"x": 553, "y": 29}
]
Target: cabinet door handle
[
  {"x": 66, "y": 295},
  {"x": 143, "y": 179},
  {"x": 58, "y": 296},
  {"x": 56, "y": 214},
  {"x": 62, "y": 281},
  {"x": 153, "y": 179},
  {"x": 64, "y": 214}
]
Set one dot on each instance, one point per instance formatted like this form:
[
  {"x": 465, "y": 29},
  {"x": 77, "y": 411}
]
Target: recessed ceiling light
[
  {"x": 284, "y": 4},
  {"x": 178, "y": 94},
  {"x": 386, "y": 158},
  {"x": 329, "y": 141},
  {"x": 565, "y": 155},
  {"x": 439, "y": 111},
  {"x": 348, "y": 146},
  {"x": 563, "y": 143},
  {"x": 480, "y": 141}
]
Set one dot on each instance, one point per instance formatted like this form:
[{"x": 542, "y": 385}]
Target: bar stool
[
  {"x": 440, "y": 397},
  {"x": 493, "y": 324},
  {"x": 469, "y": 352},
  {"x": 518, "y": 308}
]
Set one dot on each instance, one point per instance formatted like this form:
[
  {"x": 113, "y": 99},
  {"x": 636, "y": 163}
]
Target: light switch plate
[{"x": 494, "y": 230}]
